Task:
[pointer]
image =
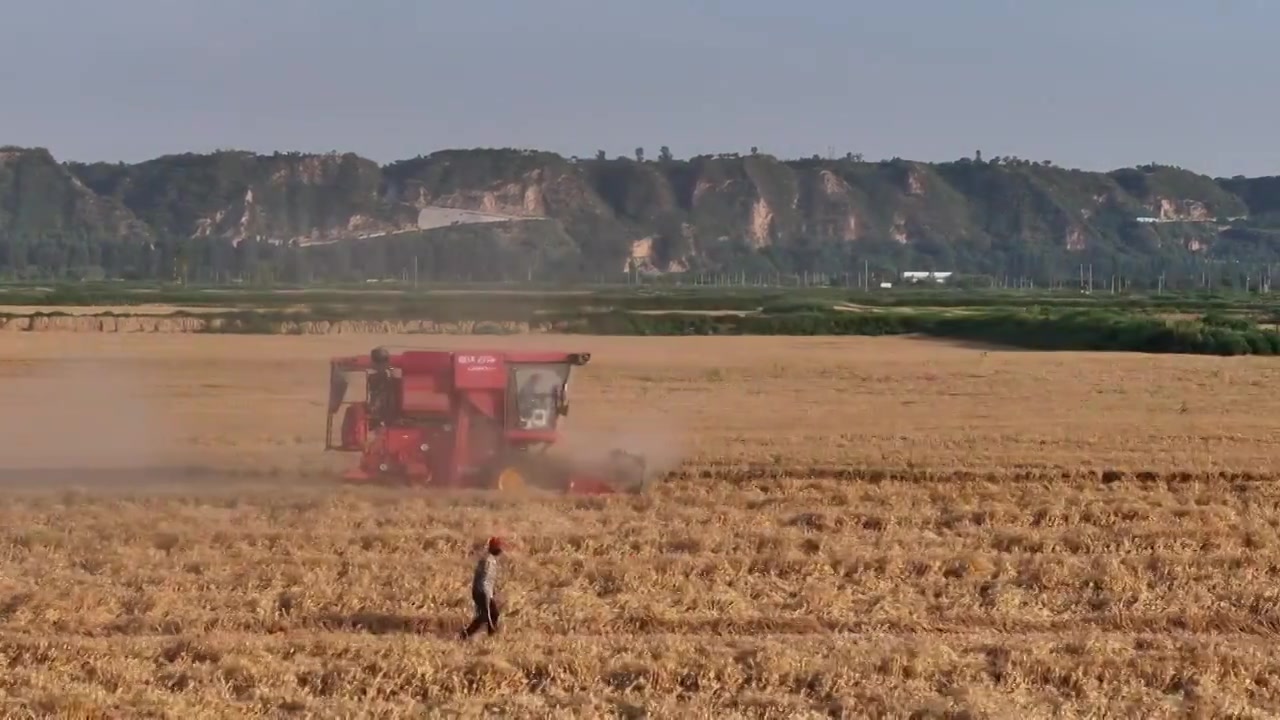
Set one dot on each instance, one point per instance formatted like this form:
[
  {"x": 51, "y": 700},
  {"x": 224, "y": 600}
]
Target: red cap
[{"x": 495, "y": 543}]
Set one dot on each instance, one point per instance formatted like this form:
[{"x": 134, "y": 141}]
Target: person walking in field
[{"x": 484, "y": 588}]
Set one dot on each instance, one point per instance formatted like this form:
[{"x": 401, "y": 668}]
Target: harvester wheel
[{"x": 510, "y": 478}]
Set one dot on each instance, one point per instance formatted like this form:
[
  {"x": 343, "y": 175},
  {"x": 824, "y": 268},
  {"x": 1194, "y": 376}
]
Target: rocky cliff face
[
  {"x": 661, "y": 215},
  {"x": 239, "y": 195},
  {"x": 40, "y": 199}
]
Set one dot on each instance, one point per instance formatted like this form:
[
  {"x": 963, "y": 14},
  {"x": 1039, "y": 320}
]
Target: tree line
[{"x": 483, "y": 257}]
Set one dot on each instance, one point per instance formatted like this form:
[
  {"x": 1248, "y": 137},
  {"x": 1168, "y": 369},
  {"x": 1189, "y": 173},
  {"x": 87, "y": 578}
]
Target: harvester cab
[{"x": 465, "y": 419}]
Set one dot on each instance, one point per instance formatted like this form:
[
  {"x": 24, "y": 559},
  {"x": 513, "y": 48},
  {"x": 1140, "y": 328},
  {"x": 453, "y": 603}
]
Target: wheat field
[{"x": 884, "y": 527}]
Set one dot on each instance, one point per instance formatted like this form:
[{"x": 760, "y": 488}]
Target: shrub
[{"x": 1219, "y": 320}]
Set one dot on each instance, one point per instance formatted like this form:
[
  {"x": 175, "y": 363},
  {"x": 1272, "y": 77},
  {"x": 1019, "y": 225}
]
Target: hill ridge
[{"x": 565, "y": 215}]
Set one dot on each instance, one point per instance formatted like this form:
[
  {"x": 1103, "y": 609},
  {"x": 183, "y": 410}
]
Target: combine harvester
[{"x": 466, "y": 419}]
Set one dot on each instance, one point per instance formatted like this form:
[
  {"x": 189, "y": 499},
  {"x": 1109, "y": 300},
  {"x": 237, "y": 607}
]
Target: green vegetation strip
[
  {"x": 505, "y": 299},
  {"x": 1036, "y": 328},
  {"x": 1083, "y": 330}
]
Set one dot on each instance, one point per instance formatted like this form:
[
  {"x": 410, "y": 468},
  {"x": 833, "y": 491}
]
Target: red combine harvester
[{"x": 465, "y": 419}]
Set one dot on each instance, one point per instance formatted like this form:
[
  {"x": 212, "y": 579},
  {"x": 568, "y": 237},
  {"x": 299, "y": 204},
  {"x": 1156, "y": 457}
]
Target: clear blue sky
[{"x": 1087, "y": 83}]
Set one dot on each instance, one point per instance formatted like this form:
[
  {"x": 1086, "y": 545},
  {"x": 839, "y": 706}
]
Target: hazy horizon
[{"x": 1089, "y": 84}]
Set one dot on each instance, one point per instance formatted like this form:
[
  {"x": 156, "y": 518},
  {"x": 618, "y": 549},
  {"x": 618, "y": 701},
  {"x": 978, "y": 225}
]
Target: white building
[{"x": 916, "y": 276}]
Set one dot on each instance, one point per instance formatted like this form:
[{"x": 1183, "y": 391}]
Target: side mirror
[{"x": 562, "y": 399}]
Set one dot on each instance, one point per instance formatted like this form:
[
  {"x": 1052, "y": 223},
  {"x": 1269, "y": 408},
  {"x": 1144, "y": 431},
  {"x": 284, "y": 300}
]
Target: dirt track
[
  {"x": 858, "y": 525},
  {"x": 132, "y": 324}
]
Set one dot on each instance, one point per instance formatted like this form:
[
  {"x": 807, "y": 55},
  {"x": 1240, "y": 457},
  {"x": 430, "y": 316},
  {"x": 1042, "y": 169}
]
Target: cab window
[{"x": 536, "y": 388}]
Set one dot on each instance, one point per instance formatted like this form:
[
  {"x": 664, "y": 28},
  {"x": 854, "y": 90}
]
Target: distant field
[
  {"x": 1241, "y": 326},
  {"x": 854, "y": 525},
  {"x": 140, "y": 309}
]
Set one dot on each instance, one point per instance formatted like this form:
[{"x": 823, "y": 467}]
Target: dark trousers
[{"x": 486, "y": 616}]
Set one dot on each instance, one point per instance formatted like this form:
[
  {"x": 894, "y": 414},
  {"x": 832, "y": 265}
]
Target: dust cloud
[
  {"x": 658, "y": 438},
  {"x": 67, "y": 420}
]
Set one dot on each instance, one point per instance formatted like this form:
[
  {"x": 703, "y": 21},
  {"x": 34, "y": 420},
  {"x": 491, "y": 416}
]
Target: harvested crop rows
[{"x": 852, "y": 527}]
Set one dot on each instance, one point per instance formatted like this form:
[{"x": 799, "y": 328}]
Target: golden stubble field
[{"x": 857, "y": 527}]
